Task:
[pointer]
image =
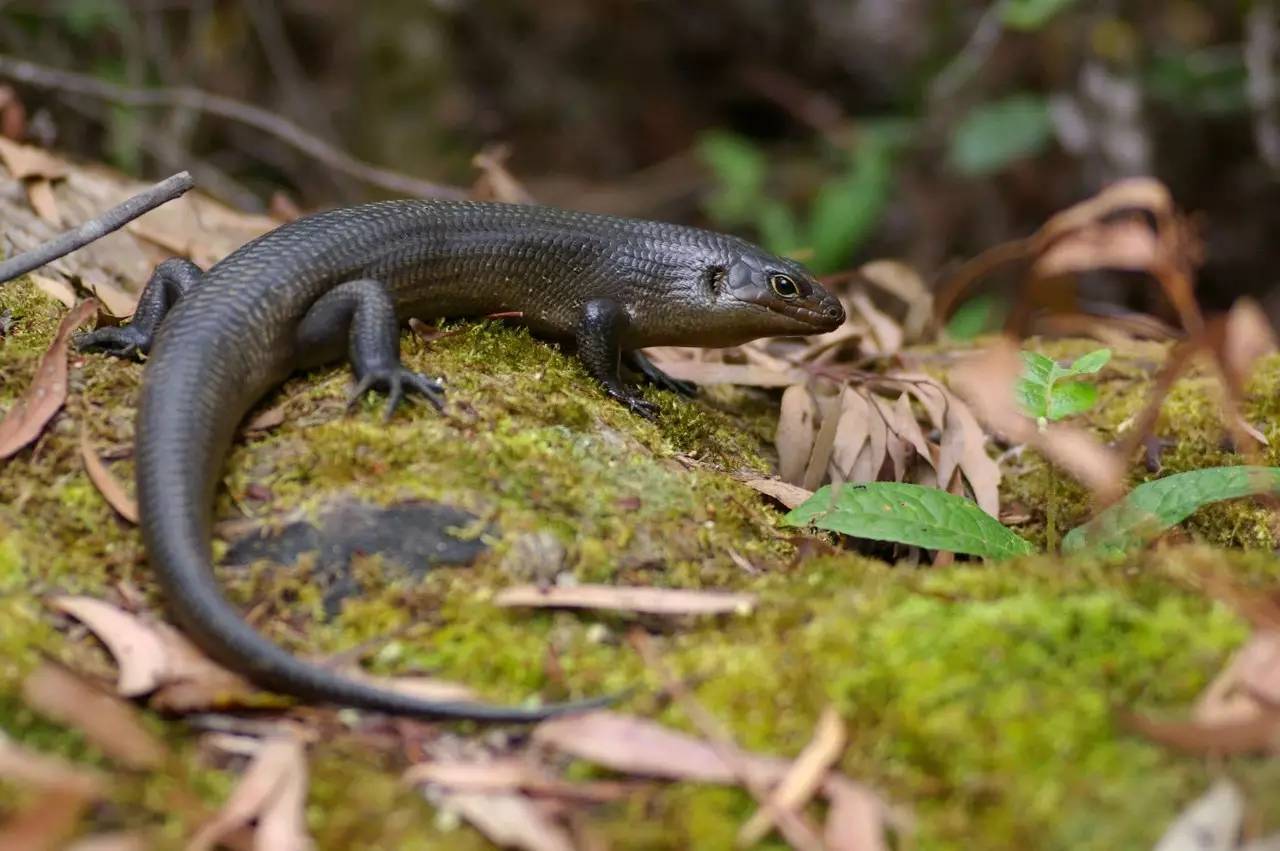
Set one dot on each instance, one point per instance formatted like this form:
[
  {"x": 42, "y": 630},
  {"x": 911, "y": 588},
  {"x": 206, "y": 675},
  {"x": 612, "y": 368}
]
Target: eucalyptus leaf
[
  {"x": 909, "y": 514},
  {"x": 1153, "y": 507}
]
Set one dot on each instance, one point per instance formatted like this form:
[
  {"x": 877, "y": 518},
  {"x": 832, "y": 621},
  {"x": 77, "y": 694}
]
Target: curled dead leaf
[
  {"x": 107, "y": 484},
  {"x": 47, "y": 392},
  {"x": 272, "y": 792}
]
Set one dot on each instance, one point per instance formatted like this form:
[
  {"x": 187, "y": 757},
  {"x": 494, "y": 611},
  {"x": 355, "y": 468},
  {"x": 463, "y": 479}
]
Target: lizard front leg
[
  {"x": 598, "y": 334},
  {"x": 364, "y": 314},
  {"x": 170, "y": 281}
]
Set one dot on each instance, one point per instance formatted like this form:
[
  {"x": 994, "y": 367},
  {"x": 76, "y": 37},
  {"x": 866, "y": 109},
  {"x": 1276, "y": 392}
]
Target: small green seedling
[{"x": 1045, "y": 389}]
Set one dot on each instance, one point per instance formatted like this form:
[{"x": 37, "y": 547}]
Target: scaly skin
[{"x": 292, "y": 299}]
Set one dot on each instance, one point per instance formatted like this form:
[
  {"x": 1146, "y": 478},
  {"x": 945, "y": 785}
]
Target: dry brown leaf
[
  {"x": 511, "y": 821},
  {"x": 495, "y": 182},
  {"x": 886, "y": 335},
  {"x": 40, "y": 197},
  {"x": 794, "y": 436},
  {"x": 803, "y": 778},
  {"x": 44, "y": 823},
  {"x": 824, "y": 443},
  {"x": 137, "y": 648},
  {"x": 266, "y": 420},
  {"x": 1248, "y": 687},
  {"x": 852, "y": 434},
  {"x": 710, "y": 372},
  {"x": 1260, "y": 734},
  {"x": 115, "y": 299},
  {"x": 908, "y": 428},
  {"x": 48, "y": 390},
  {"x": 979, "y": 469},
  {"x": 56, "y": 288},
  {"x": 111, "y": 842},
  {"x": 272, "y": 791},
  {"x": 870, "y": 461},
  {"x": 788, "y": 495},
  {"x": 108, "y": 722},
  {"x": 25, "y": 161},
  {"x": 107, "y": 484},
  {"x": 30, "y": 768},
  {"x": 856, "y": 817},
  {"x": 905, "y": 283},
  {"x": 192, "y": 681},
  {"x": 508, "y": 775},
  {"x": 1137, "y": 193},
  {"x": 424, "y": 688},
  {"x": 1129, "y": 244},
  {"x": 654, "y": 601}
]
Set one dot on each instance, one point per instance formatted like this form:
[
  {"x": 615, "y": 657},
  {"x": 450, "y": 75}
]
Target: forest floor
[{"x": 984, "y": 702}]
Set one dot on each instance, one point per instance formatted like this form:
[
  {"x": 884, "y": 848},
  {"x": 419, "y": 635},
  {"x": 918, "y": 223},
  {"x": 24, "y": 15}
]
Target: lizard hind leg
[
  {"x": 364, "y": 313},
  {"x": 170, "y": 282}
]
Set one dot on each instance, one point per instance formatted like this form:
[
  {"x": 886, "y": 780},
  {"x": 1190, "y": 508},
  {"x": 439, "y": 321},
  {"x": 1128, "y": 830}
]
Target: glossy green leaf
[
  {"x": 909, "y": 514},
  {"x": 997, "y": 133},
  {"x": 1071, "y": 398},
  {"x": 1091, "y": 363},
  {"x": 1153, "y": 507}
]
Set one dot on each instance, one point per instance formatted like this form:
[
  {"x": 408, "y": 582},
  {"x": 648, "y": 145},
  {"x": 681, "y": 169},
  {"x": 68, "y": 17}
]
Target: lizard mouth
[{"x": 817, "y": 314}]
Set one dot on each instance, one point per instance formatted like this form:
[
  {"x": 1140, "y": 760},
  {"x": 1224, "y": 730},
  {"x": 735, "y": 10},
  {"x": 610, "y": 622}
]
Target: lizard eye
[{"x": 783, "y": 286}]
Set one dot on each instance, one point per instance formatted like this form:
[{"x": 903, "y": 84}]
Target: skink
[{"x": 297, "y": 297}]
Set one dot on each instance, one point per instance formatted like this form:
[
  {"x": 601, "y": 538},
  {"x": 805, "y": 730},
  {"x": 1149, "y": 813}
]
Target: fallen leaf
[
  {"x": 788, "y": 495},
  {"x": 803, "y": 778},
  {"x": 856, "y": 817},
  {"x": 44, "y": 823},
  {"x": 116, "y": 300},
  {"x": 852, "y": 434},
  {"x": 107, "y": 484},
  {"x": 56, "y": 288},
  {"x": 25, "y": 161},
  {"x": 824, "y": 444},
  {"x": 266, "y": 420},
  {"x": 138, "y": 650},
  {"x": 125, "y": 841},
  {"x": 654, "y": 601},
  {"x": 425, "y": 688},
  {"x": 48, "y": 390},
  {"x": 1254, "y": 735},
  {"x": 709, "y": 372},
  {"x": 30, "y": 768},
  {"x": 1210, "y": 823},
  {"x": 112, "y": 725},
  {"x": 1128, "y": 244},
  {"x": 271, "y": 791},
  {"x": 886, "y": 335},
  {"x": 511, "y": 821},
  {"x": 192, "y": 681},
  {"x": 507, "y": 775},
  {"x": 794, "y": 436},
  {"x": 905, "y": 283},
  {"x": 40, "y": 197},
  {"x": 496, "y": 183}
]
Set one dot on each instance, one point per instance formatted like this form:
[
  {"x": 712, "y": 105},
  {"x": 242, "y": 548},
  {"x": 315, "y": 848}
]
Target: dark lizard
[{"x": 294, "y": 298}]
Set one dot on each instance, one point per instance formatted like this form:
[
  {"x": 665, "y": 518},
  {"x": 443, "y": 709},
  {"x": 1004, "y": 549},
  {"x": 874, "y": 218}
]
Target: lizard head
[{"x": 763, "y": 295}]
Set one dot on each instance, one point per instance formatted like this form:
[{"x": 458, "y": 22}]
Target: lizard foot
[
  {"x": 122, "y": 341},
  {"x": 635, "y": 403},
  {"x": 396, "y": 381}
]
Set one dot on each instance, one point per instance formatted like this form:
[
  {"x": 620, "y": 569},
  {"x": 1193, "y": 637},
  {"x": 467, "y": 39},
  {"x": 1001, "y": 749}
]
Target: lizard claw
[
  {"x": 396, "y": 381},
  {"x": 122, "y": 341},
  {"x": 635, "y": 403}
]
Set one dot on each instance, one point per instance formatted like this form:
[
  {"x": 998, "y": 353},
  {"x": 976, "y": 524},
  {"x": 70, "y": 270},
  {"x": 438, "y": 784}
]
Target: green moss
[{"x": 981, "y": 698}]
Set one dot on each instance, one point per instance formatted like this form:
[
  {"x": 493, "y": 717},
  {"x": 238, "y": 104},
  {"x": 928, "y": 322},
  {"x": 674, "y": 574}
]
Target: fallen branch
[
  {"x": 94, "y": 229},
  {"x": 260, "y": 119}
]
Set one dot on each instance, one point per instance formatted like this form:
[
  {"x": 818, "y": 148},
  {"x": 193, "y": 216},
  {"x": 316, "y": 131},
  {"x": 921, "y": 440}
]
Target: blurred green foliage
[
  {"x": 999, "y": 132},
  {"x": 844, "y": 210}
]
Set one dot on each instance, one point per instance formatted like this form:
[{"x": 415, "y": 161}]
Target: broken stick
[{"x": 96, "y": 228}]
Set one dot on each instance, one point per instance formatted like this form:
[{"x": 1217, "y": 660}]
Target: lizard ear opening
[{"x": 714, "y": 278}]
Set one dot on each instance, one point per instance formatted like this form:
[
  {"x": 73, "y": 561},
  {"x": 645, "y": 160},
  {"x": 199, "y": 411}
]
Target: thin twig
[
  {"x": 260, "y": 119},
  {"x": 94, "y": 229},
  {"x": 792, "y": 825}
]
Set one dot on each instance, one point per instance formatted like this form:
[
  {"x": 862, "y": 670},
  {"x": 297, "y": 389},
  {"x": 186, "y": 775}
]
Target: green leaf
[
  {"x": 1032, "y": 388},
  {"x": 1153, "y": 507},
  {"x": 995, "y": 134},
  {"x": 847, "y": 209},
  {"x": 909, "y": 514},
  {"x": 1070, "y": 398},
  {"x": 1091, "y": 363},
  {"x": 978, "y": 314},
  {"x": 1031, "y": 14},
  {"x": 779, "y": 230},
  {"x": 740, "y": 168}
]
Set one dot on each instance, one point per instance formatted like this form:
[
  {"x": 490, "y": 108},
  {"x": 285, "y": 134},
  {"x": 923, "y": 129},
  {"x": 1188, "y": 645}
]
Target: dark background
[{"x": 839, "y": 130}]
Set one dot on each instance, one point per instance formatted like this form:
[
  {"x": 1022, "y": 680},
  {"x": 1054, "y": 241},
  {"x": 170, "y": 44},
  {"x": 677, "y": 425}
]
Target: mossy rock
[{"x": 981, "y": 698}]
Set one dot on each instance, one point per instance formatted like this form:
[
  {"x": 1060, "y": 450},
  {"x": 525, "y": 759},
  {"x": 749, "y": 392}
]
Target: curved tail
[{"x": 190, "y": 406}]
